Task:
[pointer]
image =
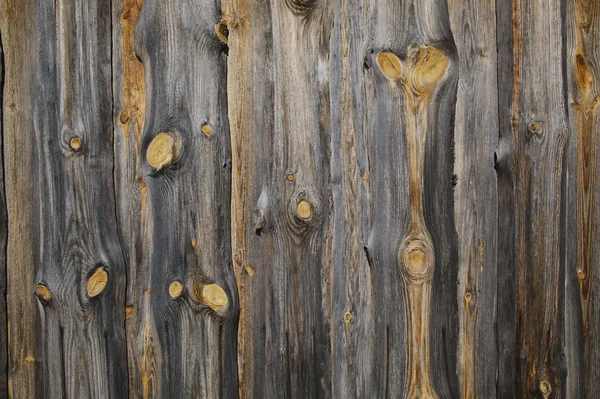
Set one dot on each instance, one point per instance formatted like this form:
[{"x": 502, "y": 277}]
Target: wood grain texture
[
  {"x": 582, "y": 260},
  {"x": 300, "y": 199},
  {"x": 331, "y": 131},
  {"x": 3, "y": 242},
  {"x": 174, "y": 182},
  {"x": 476, "y": 136},
  {"x": 539, "y": 137},
  {"x": 64, "y": 343}
]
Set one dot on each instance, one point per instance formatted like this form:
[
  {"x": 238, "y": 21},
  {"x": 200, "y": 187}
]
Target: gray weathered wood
[
  {"x": 63, "y": 242},
  {"x": 174, "y": 187},
  {"x": 582, "y": 258},
  {"x": 299, "y": 198},
  {"x": 539, "y": 137},
  {"x": 475, "y": 195}
]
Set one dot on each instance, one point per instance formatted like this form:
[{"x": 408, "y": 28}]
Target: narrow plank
[
  {"x": 506, "y": 307},
  {"x": 413, "y": 135},
  {"x": 17, "y": 115},
  {"x": 475, "y": 196},
  {"x": 539, "y": 137},
  {"x": 129, "y": 107},
  {"x": 582, "y": 258},
  {"x": 3, "y": 242},
  {"x": 280, "y": 137},
  {"x": 63, "y": 241},
  {"x": 185, "y": 337}
]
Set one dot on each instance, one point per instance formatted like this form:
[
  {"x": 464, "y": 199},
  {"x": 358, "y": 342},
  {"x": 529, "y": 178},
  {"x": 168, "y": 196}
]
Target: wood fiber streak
[
  {"x": 3, "y": 242},
  {"x": 539, "y": 136},
  {"x": 129, "y": 109},
  {"x": 300, "y": 199},
  {"x": 180, "y": 345},
  {"x": 475, "y": 195},
  {"x": 281, "y": 199},
  {"x": 70, "y": 341},
  {"x": 582, "y": 261}
]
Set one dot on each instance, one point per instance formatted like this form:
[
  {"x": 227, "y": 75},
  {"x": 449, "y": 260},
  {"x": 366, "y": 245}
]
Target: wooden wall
[{"x": 300, "y": 198}]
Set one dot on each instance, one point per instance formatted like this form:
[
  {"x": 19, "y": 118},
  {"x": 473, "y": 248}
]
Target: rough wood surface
[
  {"x": 300, "y": 198},
  {"x": 68, "y": 341}
]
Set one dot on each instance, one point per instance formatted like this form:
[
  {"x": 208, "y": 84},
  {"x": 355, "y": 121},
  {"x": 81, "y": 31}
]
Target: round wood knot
[
  {"x": 206, "y": 129},
  {"x": 416, "y": 257},
  {"x": 347, "y": 317},
  {"x": 97, "y": 282},
  {"x": 124, "y": 116},
  {"x": 43, "y": 292},
  {"x": 163, "y": 150},
  {"x": 214, "y": 296},
  {"x": 545, "y": 388},
  {"x": 390, "y": 65},
  {"x": 290, "y": 177},
  {"x": 75, "y": 143},
  {"x": 430, "y": 66},
  {"x": 128, "y": 311},
  {"x": 468, "y": 296},
  {"x": 304, "y": 209},
  {"x": 175, "y": 289}
]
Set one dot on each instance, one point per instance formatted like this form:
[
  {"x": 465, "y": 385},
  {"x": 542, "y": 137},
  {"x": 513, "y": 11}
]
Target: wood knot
[
  {"x": 124, "y": 116},
  {"x": 163, "y": 150},
  {"x": 290, "y": 177},
  {"x": 416, "y": 257},
  {"x": 304, "y": 209},
  {"x": 206, "y": 129},
  {"x": 97, "y": 282},
  {"x": 42, "y": 292},
  {"x": 222, "y": 31},
  {"x": 128, "y": 311},
  {"x": 75, "y": 143},
  {"x": 175, "y": 289},
  {"x": 430, "y": 65},
  {"x": 390, "y": 65},
  {"x": 545, "y": 388},
  {"x": 347, "y": 317},
  {"x": 214, "y": 296},
  {"x": 468, "y": 296},
  {"x": 419, "y": 73}
]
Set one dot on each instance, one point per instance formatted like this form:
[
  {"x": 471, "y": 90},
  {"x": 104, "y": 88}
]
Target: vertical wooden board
[
  {"x": 539, "y": 136},
  {"x": 19, "y": 58},
  {"x": 582, "y": 272},
  {"x": 506, "y": 307},
  {"x": 421, "y": 84},
  {"x": 3, "y": 239},
  {"x": 281, "y": 203},
  {"x": 187, "y": 330},
  {"x": 129, "y": 108},
  {"x": 475, "y": 197},
  {"x": 63, "y": 243}
]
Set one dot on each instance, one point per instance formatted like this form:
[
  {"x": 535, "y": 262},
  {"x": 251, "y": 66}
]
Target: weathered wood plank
[
  {"x": 63, "y": 241},
  {"x": 539, "y": 136},
  {"x": 3, "y": 239},
  {"x": 475, "y": 196},
  {"x": 129, "y": 108},
  {"x": 582, "y": 268},
  {"x": 183, "y": 292},
  {"x": 506, "y": 309}
]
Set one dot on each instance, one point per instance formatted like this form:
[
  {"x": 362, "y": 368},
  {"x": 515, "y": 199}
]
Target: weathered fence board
[
  {"x": 299, "y": 198},
  {"x": 67, "y": 340}
]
